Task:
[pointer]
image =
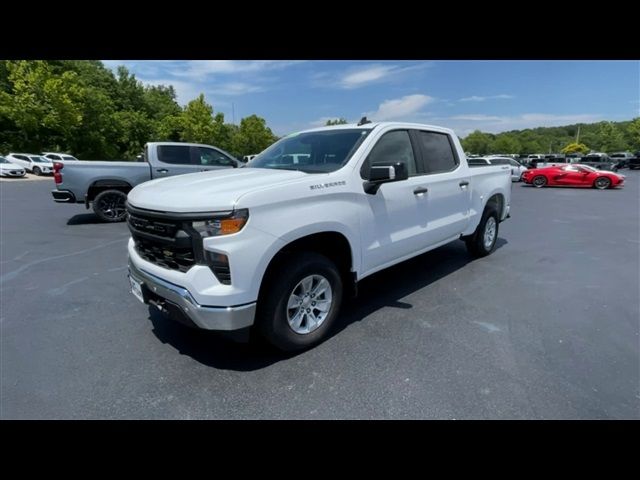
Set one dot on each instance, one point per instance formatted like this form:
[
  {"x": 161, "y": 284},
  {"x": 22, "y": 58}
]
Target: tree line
[
  {"x": 600, "y": 137},
  {"x": 84, "y": 108}
]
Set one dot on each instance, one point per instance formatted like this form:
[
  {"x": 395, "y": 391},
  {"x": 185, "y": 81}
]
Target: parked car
[
  {"x": 635, "y": 161},
  {"x": 552, "y": 160},
  {"x": 574, "y": 157},
  {"x": 278, "y": 246},
  {"x": 574, "y": 175},
  {"x": 601, "y": 161},
  {"x": 59, "y": 157},
  {"x": 533, "y": 159},
  {"x": 516, "y": 168},
  {"x": 106, "y": 184},
  {"x": 622, "y": 158},
  {"x": 32, "y": 163},
  {"x": 8, "y": 169}
]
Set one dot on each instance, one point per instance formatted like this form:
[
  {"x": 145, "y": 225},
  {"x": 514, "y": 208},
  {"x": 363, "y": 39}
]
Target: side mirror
[{"x": 384, "y": 173}]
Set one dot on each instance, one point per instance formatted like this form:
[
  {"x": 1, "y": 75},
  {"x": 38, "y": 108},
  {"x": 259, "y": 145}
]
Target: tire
[
  {"x": 539, "y": 181},
  {"x": 476, "y": 244},
  {"x": 36, "y": 171},
  {"x": 275, "y": 319},
  {"x": 109, "y": 206},
  {"x": 602, "y": 183}
]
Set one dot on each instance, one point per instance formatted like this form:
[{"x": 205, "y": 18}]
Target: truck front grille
[
  {"x": 163, "y": 255},
  {"x": 169, "y": 241},
  {"x": 162, "y": 241}
]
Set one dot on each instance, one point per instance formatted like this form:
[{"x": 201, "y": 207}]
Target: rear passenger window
[
  {"x": 394, "y": 146},
  {"x": 176, "y": 154},
  {"x": 437, "y": 151}
]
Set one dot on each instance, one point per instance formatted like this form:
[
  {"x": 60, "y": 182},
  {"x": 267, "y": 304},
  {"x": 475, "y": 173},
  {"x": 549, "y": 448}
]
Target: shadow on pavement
[
  {"x": 383, "y": 289},
  {"x": 84, "y": 219}
]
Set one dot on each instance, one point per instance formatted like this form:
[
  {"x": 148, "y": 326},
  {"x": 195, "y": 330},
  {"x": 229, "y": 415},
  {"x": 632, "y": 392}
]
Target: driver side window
[
  {"x": 393, "y": 147},
  {"x": 211, "y": 157}
]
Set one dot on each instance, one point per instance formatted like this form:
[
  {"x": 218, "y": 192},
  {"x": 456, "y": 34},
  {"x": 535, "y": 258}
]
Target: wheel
[
  {"x": 602, "y": 183},
  {"x": 36, "y": 171},
  {"x": 539, "y": 181},
  {"x": 483, "y": 240},
  {"x": 298, "y": 306},
  {"x": 109, "y": 205}
]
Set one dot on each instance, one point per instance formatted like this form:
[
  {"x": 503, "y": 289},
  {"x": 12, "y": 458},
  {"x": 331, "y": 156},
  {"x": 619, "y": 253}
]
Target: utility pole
[
  {"x": 578, "y": 135},
  {"x": 233, "y": 113}
]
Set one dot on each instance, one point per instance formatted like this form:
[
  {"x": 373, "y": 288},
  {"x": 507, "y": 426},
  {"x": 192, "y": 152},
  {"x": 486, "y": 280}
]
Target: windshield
[
  {"x": 40, "y": 159},
  {"x": 312, "y": 152},
  {"x": 4, "y": 160},
  {"x": 68, "y": 157},
  {"x": 587, "y": 167}
]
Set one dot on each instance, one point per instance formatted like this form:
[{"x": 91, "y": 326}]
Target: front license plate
[{"x": 136, "y": 289}]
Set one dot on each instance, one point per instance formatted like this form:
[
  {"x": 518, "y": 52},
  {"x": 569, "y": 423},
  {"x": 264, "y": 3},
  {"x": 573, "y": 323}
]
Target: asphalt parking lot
[{"x": 545, "y": 328}]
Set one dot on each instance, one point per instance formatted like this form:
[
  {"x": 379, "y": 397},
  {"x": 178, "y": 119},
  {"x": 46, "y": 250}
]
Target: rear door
[
  {"x": 173, "y": 160},
  {"x": 448, "y": 196}
]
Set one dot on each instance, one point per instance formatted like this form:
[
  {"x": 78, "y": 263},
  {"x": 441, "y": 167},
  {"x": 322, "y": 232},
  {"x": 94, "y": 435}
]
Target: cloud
[
  {"x": 476, "y": 98},
  {"x": 201, "y": 69},
  {"x": 235, "y": 88},
  {"x": 400, "y": 107},
  {"x": 363, "y": 75}
]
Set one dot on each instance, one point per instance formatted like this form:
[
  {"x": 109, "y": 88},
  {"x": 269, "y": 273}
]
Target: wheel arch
[
  {"x": 332, "y": 244},
  {"x": 101, "y": 185}
]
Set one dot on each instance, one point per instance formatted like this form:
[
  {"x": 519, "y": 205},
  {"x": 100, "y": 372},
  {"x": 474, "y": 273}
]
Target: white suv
[
  {"x": 32, "y": 163},
  {"x": 59, "y": 157}
]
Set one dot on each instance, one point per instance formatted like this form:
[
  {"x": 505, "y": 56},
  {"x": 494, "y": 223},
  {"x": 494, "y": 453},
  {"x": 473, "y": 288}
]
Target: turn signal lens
[{"x": 222, "y": 226}]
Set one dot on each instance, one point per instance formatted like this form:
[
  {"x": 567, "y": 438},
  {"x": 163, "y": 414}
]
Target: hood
[
  {"x": 206, "y": 191},
  {"x": 10, "y": 166}
]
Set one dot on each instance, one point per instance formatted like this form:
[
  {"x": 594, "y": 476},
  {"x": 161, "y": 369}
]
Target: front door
[{"x": 393, "y": 220}]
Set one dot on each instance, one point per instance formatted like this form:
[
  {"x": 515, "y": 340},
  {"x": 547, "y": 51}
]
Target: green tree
[
  {"x": 477, "y": 143},
  {"x": 336, "y": 121},
  {"x": 505, "y": 144},
  {"x": 611, "y": 138},
  {"x": 634, "y": 134},
  {"x": 196, "y": 122},
  {"x": 252, "y": 137},
  {"x": 43, "y": 107},
  {"x": 575, "y": 148}
]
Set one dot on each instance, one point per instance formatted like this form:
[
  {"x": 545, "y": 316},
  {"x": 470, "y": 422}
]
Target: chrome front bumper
[{"x": 203, "y": 316}]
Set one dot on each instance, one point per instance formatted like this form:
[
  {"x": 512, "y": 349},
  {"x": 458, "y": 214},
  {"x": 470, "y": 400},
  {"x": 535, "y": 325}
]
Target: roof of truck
[{"x": 372, "y": 125}]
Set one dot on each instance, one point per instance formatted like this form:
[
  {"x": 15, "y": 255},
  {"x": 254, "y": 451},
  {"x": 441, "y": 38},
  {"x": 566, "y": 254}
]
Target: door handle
[
  {"x": 420, "y": 190},
  {"x": 162, "y": 170},
  {"x": 463, "y": 184}
]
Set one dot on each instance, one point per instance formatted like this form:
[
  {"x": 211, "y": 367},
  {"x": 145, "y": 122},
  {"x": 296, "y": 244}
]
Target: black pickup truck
[
  {"x": 634, "y": 162},
  {"x": 601, "y": 161}
]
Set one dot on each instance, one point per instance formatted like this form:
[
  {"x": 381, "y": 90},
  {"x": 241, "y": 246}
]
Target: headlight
[{"x": 226, "y": 225}]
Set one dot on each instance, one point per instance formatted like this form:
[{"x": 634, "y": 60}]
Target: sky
[{"x": 492, "y": 96}]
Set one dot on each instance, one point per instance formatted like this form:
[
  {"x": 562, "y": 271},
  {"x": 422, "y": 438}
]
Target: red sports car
[{"x": 574, "y": 175}]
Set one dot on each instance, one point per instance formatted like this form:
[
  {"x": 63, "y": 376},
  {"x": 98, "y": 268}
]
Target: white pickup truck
[{"x": 276, "y": 245}]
